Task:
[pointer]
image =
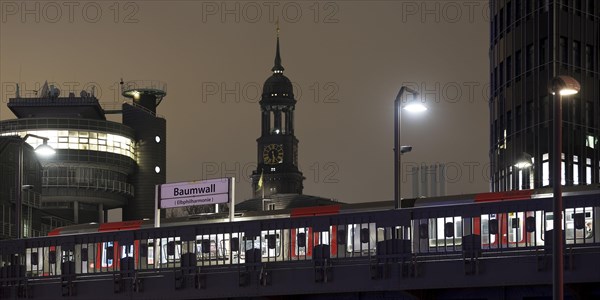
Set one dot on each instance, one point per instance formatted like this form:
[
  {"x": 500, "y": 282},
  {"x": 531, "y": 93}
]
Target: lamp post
[
  {"x": 413, "y": 106},
  {"x": 563, "y": 86},
  {"x": 42, "y": 150}
]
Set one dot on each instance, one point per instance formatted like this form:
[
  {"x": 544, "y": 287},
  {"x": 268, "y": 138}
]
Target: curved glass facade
[
  {"x": 524, "y": 49},
  {"x": 81, "y": 140}
]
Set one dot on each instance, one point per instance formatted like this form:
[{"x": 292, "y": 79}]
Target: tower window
[{"x": 273, "y": 169}]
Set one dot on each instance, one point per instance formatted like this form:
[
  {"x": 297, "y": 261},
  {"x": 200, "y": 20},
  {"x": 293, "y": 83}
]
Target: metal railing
[
  {"x": 432, "y": 234},
  {"x": 98, "y": 184}
]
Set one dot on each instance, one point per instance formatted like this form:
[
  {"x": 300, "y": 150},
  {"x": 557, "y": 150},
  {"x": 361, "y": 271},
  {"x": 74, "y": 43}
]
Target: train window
[
  {"x": 341, "y": 236},
  {"x": 572, "y": 231},
  {"x": 445, "y": 231},
  {"x": 84, "y": 254},
  {"x": 361, "y": 237},
  {"x": 364, "y": 235},
  {"x": 515, "y": 222},
  {"x": 34, "y": 258},
  {"x": 52, "y": 256},
  {"x": 271, "y": 239},
  {"x": 301, "y": 237},
  {"x": 579, "y": 223},
  {"x": 170, "y": 255},
  {"x": 265, "y": 249},
  {"x": 449, "y": 229},
  {"x": 489, "y": 229},
  {"x": 107, "y": 254},
  {"x": 235, "y": 244},
  {"x": 126, "y": 251},
  {"x": 423, "y": 231},
  {"x": 151, "y": 252}
]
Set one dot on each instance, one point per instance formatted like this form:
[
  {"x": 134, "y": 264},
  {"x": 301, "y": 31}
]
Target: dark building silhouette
[
  {"x": 521, "y": 110},
  {"x": 277, "y": 182},
  {"x": 277, "y": 144},
  {"x": 35, "y": 222},
  {"x": 99, "y": 164}
]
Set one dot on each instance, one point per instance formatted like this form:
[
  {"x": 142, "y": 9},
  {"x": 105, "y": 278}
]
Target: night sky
[{"x": 347, "y": 59}]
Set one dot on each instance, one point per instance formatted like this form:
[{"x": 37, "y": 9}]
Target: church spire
[{"x": 277, "y": 68}]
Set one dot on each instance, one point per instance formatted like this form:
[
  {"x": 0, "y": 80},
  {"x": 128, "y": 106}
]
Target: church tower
[{"x": 277, "y": 165}]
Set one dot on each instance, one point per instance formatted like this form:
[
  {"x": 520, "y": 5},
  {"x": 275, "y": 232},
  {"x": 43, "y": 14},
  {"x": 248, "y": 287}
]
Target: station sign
[{"x": 181, "y": 194}]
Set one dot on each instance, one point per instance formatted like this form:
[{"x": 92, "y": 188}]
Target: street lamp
[
  {"x": 42, "y": 150},
  {"x": 413, "y": 105},
  {"x": 564, "y": 86}
]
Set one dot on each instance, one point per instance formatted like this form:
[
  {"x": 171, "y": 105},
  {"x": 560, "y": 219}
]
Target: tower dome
[{"x": 277, "y": 85}]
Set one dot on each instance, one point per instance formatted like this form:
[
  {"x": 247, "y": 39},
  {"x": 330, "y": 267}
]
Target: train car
[
  {"x": 516, "y": 229},
  {"x": 292, "y": 237}
]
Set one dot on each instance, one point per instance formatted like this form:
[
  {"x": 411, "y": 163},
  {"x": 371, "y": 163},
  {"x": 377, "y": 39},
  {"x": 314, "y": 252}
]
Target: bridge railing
[{"x": 427, "y": 233}]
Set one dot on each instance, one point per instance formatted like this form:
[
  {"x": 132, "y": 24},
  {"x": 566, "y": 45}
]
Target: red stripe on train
[
  {"x": 315, "y": 211},
  {"x": 116, "y": 226},
  {"x": 502, "y": 196}
]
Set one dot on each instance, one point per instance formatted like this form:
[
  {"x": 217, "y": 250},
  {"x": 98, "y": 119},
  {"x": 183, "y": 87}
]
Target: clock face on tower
[{"x": 273, "y": 154}]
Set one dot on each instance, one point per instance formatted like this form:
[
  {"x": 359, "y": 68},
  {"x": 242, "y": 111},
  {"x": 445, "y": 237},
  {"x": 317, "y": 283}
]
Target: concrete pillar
[{"x": 76, "y": 212}]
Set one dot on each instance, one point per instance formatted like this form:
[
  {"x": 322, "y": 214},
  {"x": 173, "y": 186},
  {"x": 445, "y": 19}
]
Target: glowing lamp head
[
  {"x": 45, "y": 150},
  {"x": 415, "y": 107},
  {"x": 564, "y": 85},
  {"x": 525, "y": 162}
]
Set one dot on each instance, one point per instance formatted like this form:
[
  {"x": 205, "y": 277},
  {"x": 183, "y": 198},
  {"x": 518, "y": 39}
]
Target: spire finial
[{"x": 277, "y": 68}]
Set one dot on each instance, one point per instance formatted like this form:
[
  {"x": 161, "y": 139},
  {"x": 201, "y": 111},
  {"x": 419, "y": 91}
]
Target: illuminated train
[{"x": 433, "y": 226}]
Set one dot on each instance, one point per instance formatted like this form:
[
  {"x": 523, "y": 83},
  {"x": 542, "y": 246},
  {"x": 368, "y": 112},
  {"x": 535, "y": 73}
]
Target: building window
[
  {"x": 575, "y": 170},
  {"x": 529, "y": 58},
  {"x": 501, "y": 74},
  {"x": 577, "y": 54},
  {"x": 590, "y": 9},
  {"x": 545, "y": 111},
  {"x": 496, "y": 78},
  {"x": 501, "y": 21},
  {"x": 589, "y": 114},
  {"x": 528, "y": 8},
  {"x": 577, "y": 7},
  {"x": 508, "y": 15},
  {"x": 589, "y": 58},
  {"x": 518, "y": 65},
  {"x": 517, "y": 10},
  {"x": 530, "y": 115},
  {"x": 542, "y": 55},
  {"x": 545, "y": 170},
  {"x": 509, "y": 74},
  {"x": 544, "y": 5},
  {"x": 564, "y": 53},
  {"x": 518, "y": 118},
  {"x": 509, "y": 125},
  {"x": 563, "y": 5}
]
